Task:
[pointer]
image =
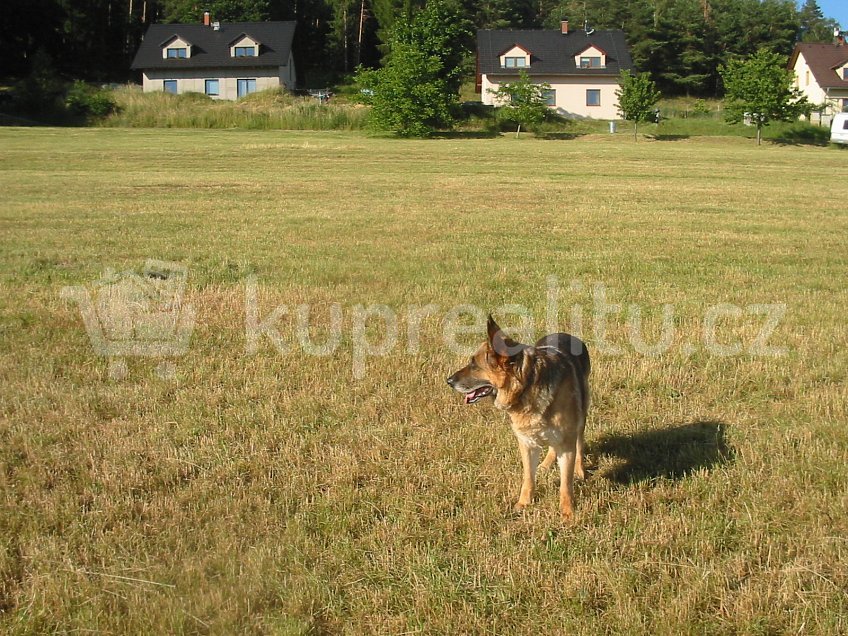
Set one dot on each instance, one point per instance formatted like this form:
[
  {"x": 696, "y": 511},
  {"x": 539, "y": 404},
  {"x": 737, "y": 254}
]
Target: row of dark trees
[{"x": 681, "y": 42}]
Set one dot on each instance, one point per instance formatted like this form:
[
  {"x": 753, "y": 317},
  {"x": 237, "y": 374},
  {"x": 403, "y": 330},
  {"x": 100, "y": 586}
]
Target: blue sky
[{"x": 836, "y": 9}]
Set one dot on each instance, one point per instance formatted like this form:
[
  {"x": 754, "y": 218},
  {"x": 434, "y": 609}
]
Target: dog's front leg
[{"x": 529, "y": 462}]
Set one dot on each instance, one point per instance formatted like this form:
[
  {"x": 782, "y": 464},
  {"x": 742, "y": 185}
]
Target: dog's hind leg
[
  {"x": 550, "y": 458},
  {"x": 579, "y": 469},
  {"x": 566, "y": 456}
]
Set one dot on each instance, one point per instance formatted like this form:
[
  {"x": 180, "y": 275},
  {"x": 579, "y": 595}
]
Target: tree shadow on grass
[
  {"x": 561, "y": 135},
  {"x": 802, "y": 136},
  {"x": 672, "y": 452},
  {"x": 795, "y": 141},
  {"x": 671, "y": 137},
  {"x": 465, "y": 134}
]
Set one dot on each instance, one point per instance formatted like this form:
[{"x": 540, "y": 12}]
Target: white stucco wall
[
  {"x": 194, "y": 80},
  {"x": 570, "y": 94},
  {"x": 805, "y": 81}
]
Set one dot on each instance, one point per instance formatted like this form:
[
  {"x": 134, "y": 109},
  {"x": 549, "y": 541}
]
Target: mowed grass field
[{"x": 269, "y": 491}]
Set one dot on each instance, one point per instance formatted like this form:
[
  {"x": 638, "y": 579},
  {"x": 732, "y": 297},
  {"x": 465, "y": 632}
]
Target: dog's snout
[{"x": 452, "y": 381}]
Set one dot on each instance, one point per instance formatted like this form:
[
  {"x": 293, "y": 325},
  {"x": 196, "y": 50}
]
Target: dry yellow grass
[{"x": 276, "y": 493}]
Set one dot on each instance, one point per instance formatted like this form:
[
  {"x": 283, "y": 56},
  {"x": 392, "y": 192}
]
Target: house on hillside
[
  {"x": 582, "y": 67},
  {"x": 821, "y": 73},
  {"x": 222, "y": 60}
]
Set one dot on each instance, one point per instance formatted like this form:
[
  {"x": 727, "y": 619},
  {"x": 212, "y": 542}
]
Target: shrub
[
  {"x": 700, "y": 107},
  {"x": 88, "y": 102}
]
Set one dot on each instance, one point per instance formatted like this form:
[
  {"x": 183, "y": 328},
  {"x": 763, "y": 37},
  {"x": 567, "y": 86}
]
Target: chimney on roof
[
  {"x": 564, "y": 25},
  {"x": 206, "y": 18}
]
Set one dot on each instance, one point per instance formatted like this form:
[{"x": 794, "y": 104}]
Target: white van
[{"x": 839, "y": 129}]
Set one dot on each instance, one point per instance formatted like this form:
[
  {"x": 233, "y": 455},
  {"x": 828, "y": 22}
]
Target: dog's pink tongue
[{"x": 473, "y": 395}]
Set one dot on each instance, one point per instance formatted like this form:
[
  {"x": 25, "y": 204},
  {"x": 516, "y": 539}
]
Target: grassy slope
[{"x": 274, "y": 493}]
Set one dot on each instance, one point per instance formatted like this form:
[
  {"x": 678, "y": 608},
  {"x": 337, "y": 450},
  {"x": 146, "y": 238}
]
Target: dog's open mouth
[{"x": 478, "y": 394}]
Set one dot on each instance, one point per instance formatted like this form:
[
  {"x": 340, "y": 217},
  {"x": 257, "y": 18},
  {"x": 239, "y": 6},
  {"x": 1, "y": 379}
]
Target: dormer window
[
  {"x": 244, "y": 46},
  {"x": 176, "y": 48},
  {"x": 591, "y": 57},
  {"x": 515, "y": 57}
]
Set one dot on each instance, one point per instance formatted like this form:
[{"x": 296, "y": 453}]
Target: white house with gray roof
[
  {"x": 222, "y": 60},
  {"x": 582, "y": 67}
]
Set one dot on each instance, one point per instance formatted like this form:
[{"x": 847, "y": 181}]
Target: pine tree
[{"x": 814, "y": 26}]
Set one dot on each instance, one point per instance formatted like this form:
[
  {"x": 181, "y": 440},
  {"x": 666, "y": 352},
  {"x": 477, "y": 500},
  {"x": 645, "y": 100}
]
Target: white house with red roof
[{"x": 821, "y": 73}]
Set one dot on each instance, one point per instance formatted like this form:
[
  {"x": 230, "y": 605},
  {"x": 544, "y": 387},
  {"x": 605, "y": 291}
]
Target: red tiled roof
[{"x": 823, "y": 60}]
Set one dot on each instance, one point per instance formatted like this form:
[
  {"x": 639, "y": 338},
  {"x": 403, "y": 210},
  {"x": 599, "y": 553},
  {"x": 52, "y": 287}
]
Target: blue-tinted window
[
  {"x": 245, "y": 87},
  {"x": 176, "y": 53},
  {"x": 170, "y": 86},
  {"x": 245, "y": 51},
  {"x": 593, "y": 97},
  {"x": 549, "y": 96},
  {"x": 212, "y": 87}
]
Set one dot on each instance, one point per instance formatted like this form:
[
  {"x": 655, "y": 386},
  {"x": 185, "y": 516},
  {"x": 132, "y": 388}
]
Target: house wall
[
  {"x": 194, "y": 80},
  {"x": 806, "y": 82},
  {"x": 570, "y": 94}
]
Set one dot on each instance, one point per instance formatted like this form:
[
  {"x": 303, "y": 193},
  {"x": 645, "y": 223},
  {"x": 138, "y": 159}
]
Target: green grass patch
[{"x": 274, "y": 493}]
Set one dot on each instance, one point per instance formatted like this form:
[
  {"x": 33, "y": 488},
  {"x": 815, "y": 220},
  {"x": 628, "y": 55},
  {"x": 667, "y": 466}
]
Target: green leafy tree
[
  {"x": 523, "y": 101},
  {"x": 417, "y": 89},
  {"x": 761, "y": 88},
  {"x": 637, "y": 98}
]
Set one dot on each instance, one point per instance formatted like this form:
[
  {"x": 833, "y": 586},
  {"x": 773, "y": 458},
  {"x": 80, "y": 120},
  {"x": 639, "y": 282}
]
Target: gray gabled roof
[
  {"x": 551, "y": 51},
  {"x": 211, "y": 48}
]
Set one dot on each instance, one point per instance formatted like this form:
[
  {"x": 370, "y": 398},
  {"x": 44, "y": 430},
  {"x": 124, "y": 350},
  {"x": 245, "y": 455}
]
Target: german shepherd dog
[{"x": 544, "y": 389}]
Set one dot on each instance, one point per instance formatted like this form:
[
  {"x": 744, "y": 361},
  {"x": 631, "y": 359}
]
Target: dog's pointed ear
[
  {"x": 492, "y": 329},
  {"x": 503, "y": 346}
]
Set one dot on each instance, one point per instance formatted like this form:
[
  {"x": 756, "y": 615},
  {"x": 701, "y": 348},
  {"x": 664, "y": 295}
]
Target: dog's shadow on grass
[{"x": 671, "y": 453}]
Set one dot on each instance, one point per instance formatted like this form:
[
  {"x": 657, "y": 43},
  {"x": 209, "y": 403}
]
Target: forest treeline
[{"x": 681, "y": 42}]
